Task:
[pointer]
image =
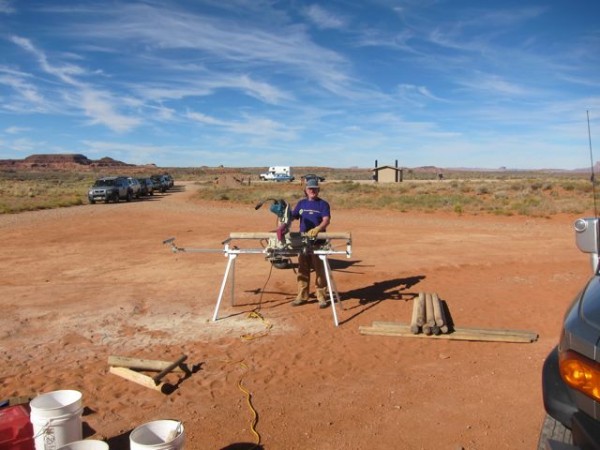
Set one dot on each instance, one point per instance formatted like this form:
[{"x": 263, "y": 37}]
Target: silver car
[{"x": 571, "y": 372}]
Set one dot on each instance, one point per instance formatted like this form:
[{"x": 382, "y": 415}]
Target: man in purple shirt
[{"x": 314, "y": 215}]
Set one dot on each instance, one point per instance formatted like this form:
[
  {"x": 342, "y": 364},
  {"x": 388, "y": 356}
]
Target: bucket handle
[
  {"x": 44, "y": 431},
  {"x": 50, "y": 421},
  {"x": 175, "y": 433}
]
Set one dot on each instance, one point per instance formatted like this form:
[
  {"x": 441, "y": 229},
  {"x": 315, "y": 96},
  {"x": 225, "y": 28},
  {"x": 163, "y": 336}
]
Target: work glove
[{"x": 313, "y": 233}]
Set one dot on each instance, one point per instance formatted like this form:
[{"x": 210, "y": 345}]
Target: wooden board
[
  {"x": 499, "y": 331},
  {"x": 463, "y": 334},
  {"x": 142, "y": 364},
  {"x": 136, "y": 377}
]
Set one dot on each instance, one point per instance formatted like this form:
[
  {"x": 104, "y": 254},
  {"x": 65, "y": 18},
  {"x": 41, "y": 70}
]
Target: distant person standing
[{"x": 314, "y": 215}]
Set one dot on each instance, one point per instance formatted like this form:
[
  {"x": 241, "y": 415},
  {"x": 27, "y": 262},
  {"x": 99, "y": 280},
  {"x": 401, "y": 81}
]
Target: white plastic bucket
[
  {"x": 56, "y": 419},
  {"x": 90, "y": 444},
  {"x": 158, "y": 435}
]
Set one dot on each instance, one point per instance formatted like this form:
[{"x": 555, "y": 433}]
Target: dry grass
[
  {"x": 520, "y": 193},
  {"x": 527, "y": 197},
  {"x": 26, "y": 191}
]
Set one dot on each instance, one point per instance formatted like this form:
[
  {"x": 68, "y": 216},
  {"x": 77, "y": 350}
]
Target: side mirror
[
  {"x": 587, "y": 238},
  {"x": 586, "y": 234}
]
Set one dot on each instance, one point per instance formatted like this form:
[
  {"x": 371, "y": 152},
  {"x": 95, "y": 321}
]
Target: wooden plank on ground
[
  {"x": 499, "y": 331},
  {"x": 463, "y": 334},
  {"x": 136, "y": 377},
  {"x": 152, "y": 365}
]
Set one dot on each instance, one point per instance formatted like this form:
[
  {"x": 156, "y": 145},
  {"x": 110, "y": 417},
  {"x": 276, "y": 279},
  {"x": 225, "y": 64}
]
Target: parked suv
[
  {"x": 160, "y": 182},
  {"x": 136, "y": 188},
  {"x": 110, "y": 188},
  {"x": 147, "y": 186},
  {"x": 571, "y": 373}
]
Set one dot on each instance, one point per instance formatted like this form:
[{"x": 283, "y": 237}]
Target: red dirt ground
[{"x": 82, "y": 283}]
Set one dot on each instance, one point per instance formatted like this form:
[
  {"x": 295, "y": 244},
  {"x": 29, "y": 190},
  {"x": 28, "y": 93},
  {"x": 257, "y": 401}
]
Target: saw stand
[
  {"x": 297, "y": 245},
  {"x": 294, "y": 244}
]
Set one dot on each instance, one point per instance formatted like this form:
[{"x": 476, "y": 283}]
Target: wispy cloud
[
  {"x": 99, "y": 106},
  {"x": 237, "y": 46},
  {"x": 495, "y": 85},
  {"x": 418, "y": 95},
  {"x": 16, "y": 130},
  {"x": 65, "y": 73},
  {"x": 251, "y": 126},
  {"x": 325, "y": 19},
  {"x": 6, "y": 7},
  {"x": 26, "y": 91}
]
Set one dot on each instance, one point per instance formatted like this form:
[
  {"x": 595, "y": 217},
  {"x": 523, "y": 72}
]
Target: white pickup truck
[{"x": 277, "y": 173}]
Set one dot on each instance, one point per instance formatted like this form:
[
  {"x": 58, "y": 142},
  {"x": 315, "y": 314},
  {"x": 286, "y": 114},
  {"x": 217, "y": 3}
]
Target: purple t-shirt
[{"x": 310, "y": 213}]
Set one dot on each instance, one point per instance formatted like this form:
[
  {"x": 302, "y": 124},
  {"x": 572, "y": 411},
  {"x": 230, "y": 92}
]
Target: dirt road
[{"x": 82, "y": 283}]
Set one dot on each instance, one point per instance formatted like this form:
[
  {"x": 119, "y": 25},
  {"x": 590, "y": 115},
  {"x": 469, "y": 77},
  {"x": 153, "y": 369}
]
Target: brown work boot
[
  {"x": 303, "y": 292},
  {"x": 298, "y": 302},
  {"x": 322, "y": 298},
  {"x": 321, "y": 294}
]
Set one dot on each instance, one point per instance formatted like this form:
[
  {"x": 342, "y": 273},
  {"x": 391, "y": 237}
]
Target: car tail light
[{"x": 580, "y": 373}]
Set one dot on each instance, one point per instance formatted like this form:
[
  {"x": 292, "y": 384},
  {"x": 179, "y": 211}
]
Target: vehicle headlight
[{"x": 580, "y": 373}]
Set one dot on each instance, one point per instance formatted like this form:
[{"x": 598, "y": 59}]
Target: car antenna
[{"x": 592, "y": 164}]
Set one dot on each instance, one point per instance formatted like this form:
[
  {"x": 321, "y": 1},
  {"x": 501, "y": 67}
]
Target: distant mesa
[{"x": 62, "y": 161}]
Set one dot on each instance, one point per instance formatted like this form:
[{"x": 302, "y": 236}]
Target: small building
[{"x": 387, "y": 174}]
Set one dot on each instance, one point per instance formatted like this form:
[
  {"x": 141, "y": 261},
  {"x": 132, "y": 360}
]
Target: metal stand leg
[
  {"x": 230, "y": 265},
  {"x": 333, "y": 294},
  {"x": 232, "y": 282}
]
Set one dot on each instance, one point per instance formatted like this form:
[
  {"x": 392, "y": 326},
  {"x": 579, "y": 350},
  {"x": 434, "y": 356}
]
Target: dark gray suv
[
  {"x": 110, "y": 188},
  {"x": 571, "y": 372}
]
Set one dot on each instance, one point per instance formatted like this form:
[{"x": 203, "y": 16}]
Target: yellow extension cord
[
  {"x": 249, "y": 402},
  {"x": 246, "y": 337},
  {"x": 256, "y": 315}
]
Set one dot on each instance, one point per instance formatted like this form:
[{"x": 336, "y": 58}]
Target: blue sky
[{"x": 449, "y": 83}]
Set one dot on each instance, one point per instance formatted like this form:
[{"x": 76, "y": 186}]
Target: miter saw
[{"x": 278, "y": 247}]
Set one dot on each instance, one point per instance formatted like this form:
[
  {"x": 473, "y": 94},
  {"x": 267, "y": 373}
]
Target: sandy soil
[{"x": 83, "y": 283}]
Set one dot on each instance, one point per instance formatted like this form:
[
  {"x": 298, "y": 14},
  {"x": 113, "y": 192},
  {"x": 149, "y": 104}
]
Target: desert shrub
[
  {"x": 536, "y": 186},
  {"x": 347, "y": 186},
  {"x": 482, "y": 190}
]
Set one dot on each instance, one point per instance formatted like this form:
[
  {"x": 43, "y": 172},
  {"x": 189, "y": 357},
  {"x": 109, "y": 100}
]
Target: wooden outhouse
[{"x": 387, "y": 174}]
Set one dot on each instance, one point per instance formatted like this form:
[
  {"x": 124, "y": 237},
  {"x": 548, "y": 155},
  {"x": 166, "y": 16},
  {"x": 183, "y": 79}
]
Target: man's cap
[{"x": 312, "y": 183}]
